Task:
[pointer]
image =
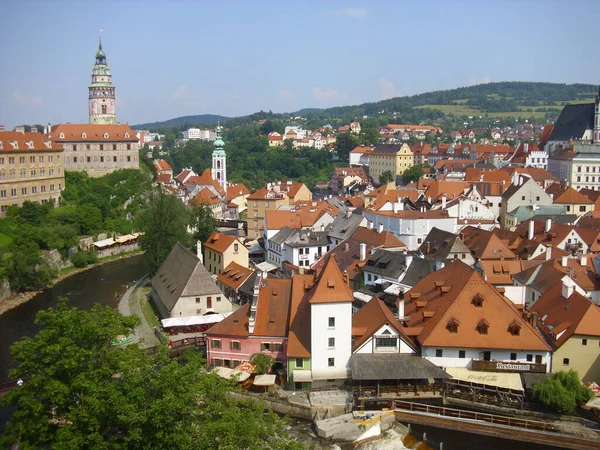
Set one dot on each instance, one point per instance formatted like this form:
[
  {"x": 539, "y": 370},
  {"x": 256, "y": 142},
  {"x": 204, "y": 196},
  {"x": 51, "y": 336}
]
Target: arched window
[
  {"x": 103, "y": 109},
  {"x": 83, "y": 135},
  {"x": 218, "y": 164}
]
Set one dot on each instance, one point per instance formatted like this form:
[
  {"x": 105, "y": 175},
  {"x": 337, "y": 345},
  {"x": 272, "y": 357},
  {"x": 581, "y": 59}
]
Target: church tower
[
  {"x": 102, "y": 92},
  {"x": 219, "y": 161},
  {"x": 596, "y": 139}
]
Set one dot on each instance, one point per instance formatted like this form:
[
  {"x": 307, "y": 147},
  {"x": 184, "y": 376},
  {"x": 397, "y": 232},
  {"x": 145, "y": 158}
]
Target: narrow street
[{"x": 130, "y": 305}]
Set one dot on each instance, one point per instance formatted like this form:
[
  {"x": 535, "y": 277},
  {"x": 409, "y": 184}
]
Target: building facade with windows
[
  {"x": 390, "y": 157},
  {"x": 97, "y": 149},
  {"x": 220, "y": 250},
  {"x": 102, "y": 100},
  {"x": 31, "y": 169}
]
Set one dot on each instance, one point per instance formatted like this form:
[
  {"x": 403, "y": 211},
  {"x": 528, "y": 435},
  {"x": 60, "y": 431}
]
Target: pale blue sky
[{"x": 177, "y": 58}]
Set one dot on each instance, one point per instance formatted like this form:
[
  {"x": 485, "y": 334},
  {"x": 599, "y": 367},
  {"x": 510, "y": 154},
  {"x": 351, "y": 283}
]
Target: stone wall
[
  {"x": 5, "y": 291},
  {"x": 55, "y": 260},
  {"x": 117, "y": 250}
]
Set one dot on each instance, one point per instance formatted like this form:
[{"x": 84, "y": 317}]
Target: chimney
[
  {"x": 583, "y": 261},
  {"x": 380, "y": 228},
  {"x": 444, "y": 201},
  {"x": 548, "y": 253},
  {"x": 401, "y": 206},
  {"x": 370, "y": 225},
  {"x": 567, "y": 287},
  {"x": 363, "y": 251},
  {"x": 534, "y": 319},
  {"x": 254, "y": 304},
  {"x": 395, "y": 208},
  {"x": 199, "y": 252},
  {"x": 401, "y": 309},
  {"x": 346, "y": 246},
  {"x": 515, "y": 178},
  {"x": 348, "y": 213},
  {"x": 548, "y": 225},
  {"x": 564, "y": 261},
  {"x": 345, "y": 277},
  {"x": 531, "y": 230}
]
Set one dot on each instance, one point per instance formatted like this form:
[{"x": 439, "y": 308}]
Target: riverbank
[{"x": 18, "y": 299}]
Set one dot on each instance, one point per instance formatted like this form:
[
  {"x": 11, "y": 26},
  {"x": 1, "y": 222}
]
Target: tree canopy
[
  {"x": 411, "y": 174},
  {"x": 562, "y": 391},
  {"x": 81, "y": 392},
  {"x": 386, "y": 177}
]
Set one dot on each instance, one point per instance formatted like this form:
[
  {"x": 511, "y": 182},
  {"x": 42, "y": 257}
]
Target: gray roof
[
  {"x": 247, "y": 287},
  {"x": 573, "y": 121},
  {"x": 282, "y": 235},
  {"x": 439, "y": 244},
  {"x": 393, "y": 366},
  {"x": 419, "y": 268},
  {"x": 307, "y": 238},
  {"x": 525, "y": 212},
  {"x": 386, "y": 263},
  {"x": 342, "y": 227},
  {"x": 182, "y": 275},
  {"x": 338, "y": 203}
]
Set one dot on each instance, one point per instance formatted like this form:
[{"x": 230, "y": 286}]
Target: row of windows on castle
[
  {"x": 34, "y": 190},
  {"x": 100, "y": 147},
  {"x": 41, "y": 158},
  {"x": 12, "y": 173},
  {"x": 89, "y": 159}
]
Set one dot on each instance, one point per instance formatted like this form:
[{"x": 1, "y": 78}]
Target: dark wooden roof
[{"x": 393, "y": 366}]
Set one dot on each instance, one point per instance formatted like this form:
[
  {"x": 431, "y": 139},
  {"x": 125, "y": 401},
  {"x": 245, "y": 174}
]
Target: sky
[{"x": 176, "y": 58}]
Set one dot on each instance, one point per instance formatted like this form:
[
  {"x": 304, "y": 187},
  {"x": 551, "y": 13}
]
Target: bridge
[{"x": 502, "y": 427}]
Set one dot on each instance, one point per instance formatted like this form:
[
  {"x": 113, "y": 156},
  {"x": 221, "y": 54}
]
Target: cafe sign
[{"x": 511, "y": 366}]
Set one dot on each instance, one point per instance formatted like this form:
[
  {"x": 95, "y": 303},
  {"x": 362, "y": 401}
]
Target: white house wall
[
  {"x": 320, "y": 334},
  {"x": 450, "y": 356},
  {"x": 369, "y": 345}
]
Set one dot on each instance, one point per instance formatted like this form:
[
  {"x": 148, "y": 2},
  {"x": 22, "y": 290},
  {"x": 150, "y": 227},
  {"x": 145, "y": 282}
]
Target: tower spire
[{"x": 101, "y": 99}]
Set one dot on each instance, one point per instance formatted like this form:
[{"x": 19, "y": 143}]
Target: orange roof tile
[
  {"x": 567, "y": 195},
  {"x": 372, "y": 237},
  {"x": 235, "y": 190},
  {"x": 22, "y": 141},
  {"x": 161, "y": 164},
  {"x": 74, "y": 132},
  {"x": 273, "y": 310},
  {"x": 220, "y": 242},
  {"x": 234, "y": 275},
  {"x": 330, "y": 286},
  {"x": 362, "y": 149},
  {"x": 235, "y": 325},
  {"x": 370, "y": 318},
  {"x": 453, "y": 293},
  {"x": 451, "y": 189},
  {"x": 299, "y": 335},
  {"x": 206, "y": 196}
]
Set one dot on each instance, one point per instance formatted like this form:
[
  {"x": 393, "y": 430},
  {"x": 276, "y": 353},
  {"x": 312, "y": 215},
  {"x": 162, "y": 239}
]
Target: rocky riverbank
[{"x": 18, "y": 299}]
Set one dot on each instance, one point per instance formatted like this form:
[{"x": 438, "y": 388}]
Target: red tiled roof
[
  {"x": 39, "y": 143},
  {"x": 93, "y": 133},
  {"x": 299, "y": 336},
  {"x": 206, "y": 196},
  {"x": 220, "y": 242},
  {"x": 330, "y": 286},
  {"x": 234, "y": 275},
  {"x": 372, "y": 237},
  {"x": 235, "y": 190},
  {"x": 273, "y": 310}
]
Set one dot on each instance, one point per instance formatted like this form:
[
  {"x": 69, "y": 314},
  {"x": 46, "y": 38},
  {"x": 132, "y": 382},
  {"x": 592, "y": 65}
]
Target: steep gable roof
[
  {"x": 220, "y": 242},
  {"x": 573, "y": 121},
  {"x": 234, "y": 275},
  {"x": 234, "y": 325},
  {"x": 385, "y": 239},
  {"x": 567, "y": 195},
  {"x": 299, "y": 336},
  {"x": 182, "y": 275},
  {"x": 370, "y": 318},
  {"x": 273, "y": 309},
  {"x": 330, "y": 286},
  {"x": 451, "y": 293}
]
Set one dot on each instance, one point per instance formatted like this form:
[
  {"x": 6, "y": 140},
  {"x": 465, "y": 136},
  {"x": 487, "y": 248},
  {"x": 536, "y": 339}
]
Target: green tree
[
  {"x": 412, "y": 174},
  {"x": 26, "y": 270},
  {"x": 203, "y": 222},
  {"x": 386, "y": 177},
  {"x": 89, "y": 219},
  {"x": 80, "y": 392},
  {"x": 369, "y": 135},
  {"x": 561, "y": 391},
  {"x": 163, "y": 222},
  {"x": 262, "y": 362},
  {"x": 344, "y": 144}
]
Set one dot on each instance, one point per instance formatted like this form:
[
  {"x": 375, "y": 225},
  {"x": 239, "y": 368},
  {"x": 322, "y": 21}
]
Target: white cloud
[
  {"x": 483, "y": 80},
  {"x": 326, "y": 94},
  {"x": 349, "y": 12},
  {"x": 386, "y": 89},
  {"x": 24, "y": 100},
  {"x": 285, "y": 95},
  {"x": 181, "y": 91}
]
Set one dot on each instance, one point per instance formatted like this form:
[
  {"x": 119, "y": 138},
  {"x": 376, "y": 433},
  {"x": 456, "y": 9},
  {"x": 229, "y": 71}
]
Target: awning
[
  {"x": 331, "y": 373},
  {"x": 228, "y": 374},
  {"x": 302, "y": 376},
  {"x": 498, "y": 379},
  {"x": 193, "y": 320},
  {"x": 125, "y": 238},
  {"x": 104, "y": 243},
  {"x": 264, "y": 380},
  {"x": 266, "y": 266}
]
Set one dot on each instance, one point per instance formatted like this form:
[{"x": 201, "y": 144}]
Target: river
[{"x": 106, "y": 283}]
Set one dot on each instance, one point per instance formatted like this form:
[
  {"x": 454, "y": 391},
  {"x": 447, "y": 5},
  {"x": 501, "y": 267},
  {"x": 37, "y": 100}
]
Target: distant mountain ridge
[
  {"x": 208, "y": 119},
  {"x": 496, "y": 97}
]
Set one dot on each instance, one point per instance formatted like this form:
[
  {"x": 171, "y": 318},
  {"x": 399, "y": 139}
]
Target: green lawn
[
  {"x": 5, "y": 240},
  {"x": 147, "y": 307},
  {"x": 458, "y": 110}
]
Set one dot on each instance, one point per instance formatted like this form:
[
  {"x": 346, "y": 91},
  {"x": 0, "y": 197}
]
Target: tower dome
[{"x": 219, "y": 160}]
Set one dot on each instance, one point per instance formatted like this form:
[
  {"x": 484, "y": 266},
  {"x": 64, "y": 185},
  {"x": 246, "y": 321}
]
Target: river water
[{"x": 106, "y": 283}]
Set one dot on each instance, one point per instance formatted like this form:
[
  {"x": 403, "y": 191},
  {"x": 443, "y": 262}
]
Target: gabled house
[
  {"x": 399, "y": 269},
  {"x": 260, "y": 326},
  {"x": 444, "y": 247},
  {"x": 182, "y": 287},
  {"x": 573, "y": 201},
  {"x": 231, "y": 279},
  {"x": 522, "y": 192},
  {"x": 344, "y": 225},
  {"x": 221, "y": 249},
  {"x": 569, "y": 323},
  {"x": 465, "y": 322}
]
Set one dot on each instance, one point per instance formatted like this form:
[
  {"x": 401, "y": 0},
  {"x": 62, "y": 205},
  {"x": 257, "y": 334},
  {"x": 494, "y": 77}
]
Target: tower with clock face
[{"x": 102, "y": 92}]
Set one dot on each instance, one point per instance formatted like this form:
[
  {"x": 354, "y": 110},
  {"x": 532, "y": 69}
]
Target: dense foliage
[
  {"x": 88, "y": 206},
  {"x": 81, "y": 392},
  {"x": 562, "y": 391}
]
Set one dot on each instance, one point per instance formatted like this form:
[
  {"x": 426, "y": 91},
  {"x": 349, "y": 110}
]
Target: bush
[
  {"x": 82, "y": 259},
  {"x": 561, "y": 392},
  {"x": 262, "y": 362}
]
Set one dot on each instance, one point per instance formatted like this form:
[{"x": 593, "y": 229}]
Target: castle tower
[
  {"x": 102, "y": 92},
  {"x": 596, "y": 139},
  {"x": 219, "y": 161}
]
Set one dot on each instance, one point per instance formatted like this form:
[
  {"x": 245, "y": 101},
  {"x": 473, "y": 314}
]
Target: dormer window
[
  {"x": 453, "y": 325},
  {"x": 482, "y": 327},
  {"x": 478, "y": 301},
  {"x": 105, "y": 135},
  {"x": 126, "y": 135},
  {"x": 48, "y": 144},
  {"x": 62, "y": 135},
  {"x": 514, "y": 328},
  {"x": 83, "y": 135}
]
